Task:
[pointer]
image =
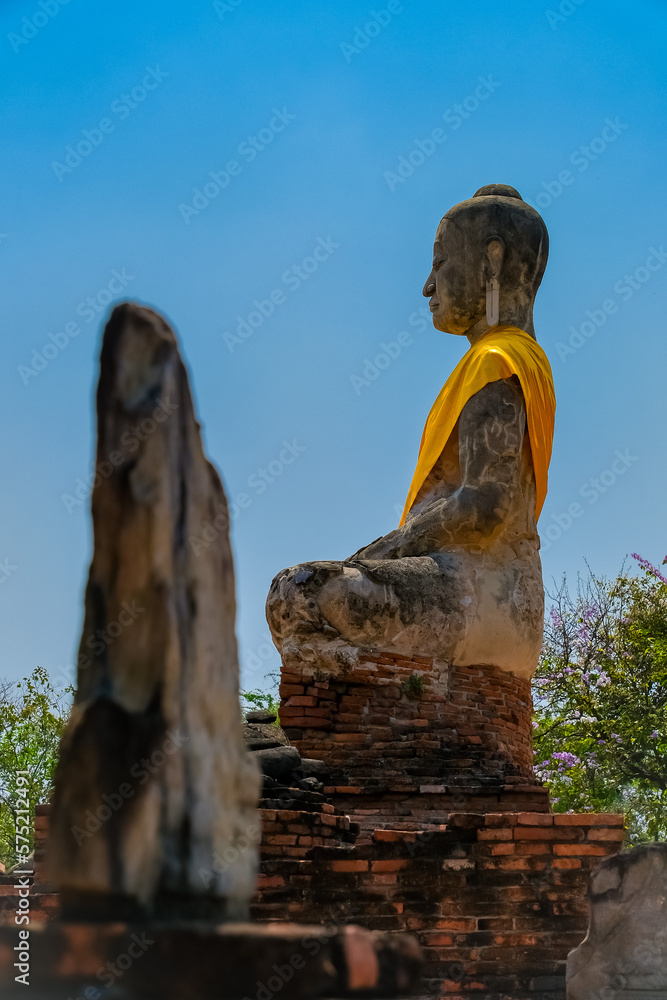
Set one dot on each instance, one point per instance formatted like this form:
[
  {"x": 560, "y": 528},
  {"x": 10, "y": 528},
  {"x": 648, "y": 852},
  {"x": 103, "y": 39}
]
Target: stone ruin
[
  {"x": 398, "y": 798},
  {"x": 624, "y": 954},
  {"x": 406, "y": 668},
  {"x": 154, "y": 786}
]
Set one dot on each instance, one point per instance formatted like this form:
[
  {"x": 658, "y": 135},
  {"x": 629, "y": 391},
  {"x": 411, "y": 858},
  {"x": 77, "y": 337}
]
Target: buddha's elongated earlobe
[{"x": 492, "y": 302}]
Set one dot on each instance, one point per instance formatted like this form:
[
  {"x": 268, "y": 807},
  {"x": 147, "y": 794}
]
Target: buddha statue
[{"x": 460, "y": 579}]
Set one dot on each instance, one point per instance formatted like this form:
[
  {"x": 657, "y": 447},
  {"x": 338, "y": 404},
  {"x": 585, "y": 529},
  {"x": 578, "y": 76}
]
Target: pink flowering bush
[{"x": 600, "y": 696}]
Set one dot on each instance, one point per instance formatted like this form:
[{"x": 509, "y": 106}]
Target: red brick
[
  {"x": 394, "y": 836},
  {"x": 566, "y": 863},
  {"x": 535, "y": 819},
  {"x": 605, "y": 833},
  {"x": 542, "y": 833},
  {"x": 270, "y": 881},
  {"x": 503, "y": 848},
  {"x": 588, "y": 819},
  {"x": 306, "y": 700},
  {"x": 441, "y": 940},
  {"x": 288, "y": 678},
  {"x": 383, "y": 878},
  {"x": 533, "y": 847},
  {"x": 499, "y": 833},
  {"x": 286, "y": 690},
  {"x": 522, "y": 864},
  {"x": 347, "y": 866},
  {"x": 388, "y": 866},
  {"x": 500, "y": 819},
  {"x": 582, "y": 849},
  {"x": 462, "y": 924}
]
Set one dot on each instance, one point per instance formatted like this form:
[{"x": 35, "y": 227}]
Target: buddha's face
[{"x": 456, "y": 285}]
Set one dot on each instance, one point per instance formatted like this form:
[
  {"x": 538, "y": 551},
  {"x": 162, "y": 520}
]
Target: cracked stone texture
[
  {"x": 461, "y": 580},
  {"x": 154, "y": 781},
  {"x": 624, "y": 953}
]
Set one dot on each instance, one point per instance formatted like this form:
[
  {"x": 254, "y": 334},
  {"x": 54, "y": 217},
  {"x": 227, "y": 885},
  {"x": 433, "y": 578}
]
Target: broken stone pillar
[
  {"x": 154, "y": 783},
  {"x": 624, "y": 954},
  {"x": 154, "y": 826}
]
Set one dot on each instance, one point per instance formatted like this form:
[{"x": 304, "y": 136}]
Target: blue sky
[{"x": 305, "y": 111}]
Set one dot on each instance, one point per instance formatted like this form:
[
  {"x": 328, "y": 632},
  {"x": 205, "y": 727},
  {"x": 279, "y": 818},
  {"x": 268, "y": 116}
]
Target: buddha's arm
[{"x": 491, "y": 430}]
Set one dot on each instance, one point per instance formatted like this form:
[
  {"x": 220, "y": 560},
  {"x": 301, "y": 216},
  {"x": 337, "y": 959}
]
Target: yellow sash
[{"x": 500, "y": 353}]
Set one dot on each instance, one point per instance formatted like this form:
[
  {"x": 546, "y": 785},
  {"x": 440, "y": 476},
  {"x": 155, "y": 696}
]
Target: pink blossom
[{"x": 646, "y": 565}]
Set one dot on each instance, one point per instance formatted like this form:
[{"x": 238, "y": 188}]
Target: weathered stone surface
[
  {"x": 312, "y": 768},
  {"x": 261, "y": 716},
  {"x": 154, "y": 781},
  {"x": 279, "y": 763},
  {"x": 624, "y": 954},
  {"x": 461, "y": 580},
  {"x": 258, "y": 736}
]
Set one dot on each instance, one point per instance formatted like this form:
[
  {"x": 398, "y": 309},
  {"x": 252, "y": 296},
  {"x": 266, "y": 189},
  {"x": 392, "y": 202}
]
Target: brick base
[
  {"x": 457, "y": 842},
  {"x": 496, "y": 901},
  {"x": 409, "y": 740}
]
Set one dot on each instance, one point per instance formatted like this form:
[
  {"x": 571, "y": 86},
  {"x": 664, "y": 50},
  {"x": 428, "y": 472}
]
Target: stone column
[{"x": 154, "y": 783}]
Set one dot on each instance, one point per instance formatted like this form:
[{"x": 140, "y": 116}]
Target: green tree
[
  {"x": 600, "y": 695},
  {"x": 260, "y": 699},
  {"x": 32, "y": 720}
]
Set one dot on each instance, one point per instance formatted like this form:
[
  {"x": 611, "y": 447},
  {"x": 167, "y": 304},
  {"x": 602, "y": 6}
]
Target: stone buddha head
[{"x": 494, "y": 239}]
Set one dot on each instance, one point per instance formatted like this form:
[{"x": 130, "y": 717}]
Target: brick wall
[
  {"x": 497, "y": 901},
  {"x": 292, "y": 832},
  {"x": 457, "y": 842},
  {"x": 43, "y": 898},
  {"x": 434, "y": 829},
  {"x": 410, "y": 740}
]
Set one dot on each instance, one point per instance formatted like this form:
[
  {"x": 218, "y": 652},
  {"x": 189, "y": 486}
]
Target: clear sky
[{"x": 305, "y": 112}]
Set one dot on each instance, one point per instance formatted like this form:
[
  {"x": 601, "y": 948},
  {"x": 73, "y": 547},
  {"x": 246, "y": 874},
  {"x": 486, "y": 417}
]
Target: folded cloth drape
[{"x": 501, "y": 352}]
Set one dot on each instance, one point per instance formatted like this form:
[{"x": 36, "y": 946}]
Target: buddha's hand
[{"x": 386, "y": 547}]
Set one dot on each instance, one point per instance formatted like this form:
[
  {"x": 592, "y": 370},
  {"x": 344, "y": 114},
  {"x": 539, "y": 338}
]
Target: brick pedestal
[
  {"x": 457, "y": 843},
  {"x": 408, "y": 741},
  {"x": 494, "y": 892}
]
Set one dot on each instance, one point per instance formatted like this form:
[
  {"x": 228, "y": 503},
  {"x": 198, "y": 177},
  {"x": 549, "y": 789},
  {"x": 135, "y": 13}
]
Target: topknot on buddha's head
[{"x": 499, "y": 189}]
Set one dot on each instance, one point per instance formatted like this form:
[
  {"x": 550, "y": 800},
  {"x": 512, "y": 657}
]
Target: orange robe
[{"x": 501, "y": 352}]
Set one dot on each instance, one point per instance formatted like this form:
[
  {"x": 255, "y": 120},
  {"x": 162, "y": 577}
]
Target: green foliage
[
  {"x": 600, "y": 695},
  {"x": 413, "y": 686},
  {"x": 32, "y": 720},
  {"x": 256, "y": 699}
]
